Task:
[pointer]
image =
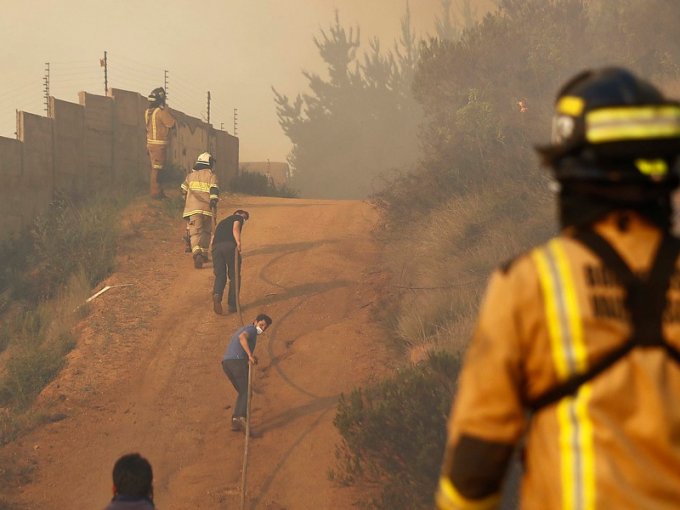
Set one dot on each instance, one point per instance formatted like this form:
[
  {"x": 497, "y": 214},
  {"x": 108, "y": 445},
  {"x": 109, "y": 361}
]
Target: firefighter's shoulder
[
  {"x": 507, "y": 266},
  {"x": 524, "y": 260}
]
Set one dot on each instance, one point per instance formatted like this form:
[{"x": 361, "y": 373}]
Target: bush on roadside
[
  {"x": 37, "y": 341},
  {"x": 45, "y": 278},
  {"x": 67, "y": 239},
  {"x": 393, "y": 434},
  {"x": 253, "y": 183}
]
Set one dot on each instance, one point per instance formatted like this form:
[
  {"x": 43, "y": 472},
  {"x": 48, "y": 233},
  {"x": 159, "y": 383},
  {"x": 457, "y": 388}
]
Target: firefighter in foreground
[
  {"x": 200, "y": 207},
  {"x": 159, "y": 121},
  {"x": 577, "y": 347}
]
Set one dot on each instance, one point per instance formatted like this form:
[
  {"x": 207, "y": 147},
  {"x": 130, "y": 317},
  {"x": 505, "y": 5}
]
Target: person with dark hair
[
  {"x": 132, "y": 484},
  {"x": 576, "y": 353},
  {"x": 159, "y": 121},
  {"x": 236, "y": 363},
  {"x": 226, "y": 242}
]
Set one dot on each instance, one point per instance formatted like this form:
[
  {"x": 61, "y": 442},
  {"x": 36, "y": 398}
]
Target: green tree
[
  {"x": 451, "y": 24},
  {"x": 477, "y": 153},
  {"x": 357, "y": 123}
]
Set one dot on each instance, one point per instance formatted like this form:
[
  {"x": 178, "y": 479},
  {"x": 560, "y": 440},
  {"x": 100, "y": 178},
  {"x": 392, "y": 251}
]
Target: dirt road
[{"x": 146, "y": 374}]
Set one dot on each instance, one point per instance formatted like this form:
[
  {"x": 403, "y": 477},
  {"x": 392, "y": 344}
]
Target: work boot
[
  {"x": 217, "y": 304},
  {"x": 232, "y": 309},
  {"x": 238, "y": 424},
  {"x": 187, "y": 243},
  {"x": 198, "y": 261}
]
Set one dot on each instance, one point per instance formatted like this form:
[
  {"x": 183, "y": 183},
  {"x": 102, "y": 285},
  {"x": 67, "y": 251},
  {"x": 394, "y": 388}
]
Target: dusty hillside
[{"x": 146, "y": 374}]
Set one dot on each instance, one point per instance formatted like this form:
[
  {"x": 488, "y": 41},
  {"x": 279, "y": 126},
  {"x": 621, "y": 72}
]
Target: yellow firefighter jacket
[
  {"x": 158, "y": 121},
  {"x": 550, "y": 314},
  {"x": 200, "y": 187}
]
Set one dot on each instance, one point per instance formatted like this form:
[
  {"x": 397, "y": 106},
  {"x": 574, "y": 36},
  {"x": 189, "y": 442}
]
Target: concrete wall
[
  {"x": 11, "y": 204},
  {"x": 193, "y": 136},
  {"x": 96, "y": 143},
  {"x": 130, "y": 161},
  {"x": 37, "y": 169},
  {"x": 69, "y": 145}
]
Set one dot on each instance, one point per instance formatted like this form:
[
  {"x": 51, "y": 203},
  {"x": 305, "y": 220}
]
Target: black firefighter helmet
[
  {"x": 610, "y": 127},
  {"x": 157, "y": 97}
]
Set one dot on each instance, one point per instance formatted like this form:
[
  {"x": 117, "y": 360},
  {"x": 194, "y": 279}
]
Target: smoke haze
[{"x": 236, "y": 49}]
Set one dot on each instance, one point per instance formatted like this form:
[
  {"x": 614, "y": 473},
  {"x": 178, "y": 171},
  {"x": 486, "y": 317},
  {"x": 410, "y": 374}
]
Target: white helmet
[{"x": 204, "y": 160}]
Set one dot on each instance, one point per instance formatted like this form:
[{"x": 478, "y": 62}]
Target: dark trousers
[
  {"x": 237, "y": 372},
  {"x": 223, "y": 266}
]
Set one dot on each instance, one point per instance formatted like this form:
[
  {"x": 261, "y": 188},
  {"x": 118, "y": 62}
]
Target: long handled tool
[
  {"x": 244, "y": 470},
  {"x": 237, "y": 282},
  {"x": 247, "y": 441}
]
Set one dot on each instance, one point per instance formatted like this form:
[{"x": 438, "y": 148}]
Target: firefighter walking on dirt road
[
  {"x": 159, "y": 121},
  {"x": 200, "y": 206},
  {"x": 237, "y": 361},
  {"x": 226, "y": 244},
  {"x": 577, "y": 348}
]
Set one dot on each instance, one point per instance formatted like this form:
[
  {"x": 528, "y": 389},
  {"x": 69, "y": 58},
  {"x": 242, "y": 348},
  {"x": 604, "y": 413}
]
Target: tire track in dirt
[{"x": 158, "y": 386}]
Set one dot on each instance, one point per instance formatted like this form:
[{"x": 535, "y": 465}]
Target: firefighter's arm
[
  {"x": 487, "y": 417},
  {"x": 168, "y": 119},
  {"x": 185, "y": 187},
  {"x": 214, "y": 193}
]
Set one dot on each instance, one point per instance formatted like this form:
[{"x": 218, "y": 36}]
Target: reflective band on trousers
[
  {"x": 632, "y": 123},
  {"x": 567, "y": 344},
  {"x": 197, "y": 211}
]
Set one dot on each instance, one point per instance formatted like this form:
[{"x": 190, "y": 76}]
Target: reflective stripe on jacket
[
  {"x": 616, "y": 442},
  {"x": 200, "y": 187},
  {"x": 158, "y": 124}
]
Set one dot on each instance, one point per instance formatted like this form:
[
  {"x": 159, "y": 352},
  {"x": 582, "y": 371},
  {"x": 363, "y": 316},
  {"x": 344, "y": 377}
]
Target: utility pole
[
  {"x": 46, "y": 88},
  {"x": 165, "y": 83},
  {"x": 208, "y": 107},
  {"x": 235, "y": 121},
  {"x": 105, "y": 64},
  {"x": 221, "y": 126}
]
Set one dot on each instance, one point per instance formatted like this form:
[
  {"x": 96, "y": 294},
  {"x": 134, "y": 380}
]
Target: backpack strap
[{"x": 645, "y": 300}]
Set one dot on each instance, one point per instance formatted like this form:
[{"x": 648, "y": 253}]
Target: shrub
[
  {"x": 252, "y": 183},
  {"x": 69, "y": 238},
  {"x": 393, "y": 434},
  {"x": 172, "y": 175}
]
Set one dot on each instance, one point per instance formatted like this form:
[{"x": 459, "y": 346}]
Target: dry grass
[
  {"x": 38, "y": 341},
  {"x": 442, "y": 263}
]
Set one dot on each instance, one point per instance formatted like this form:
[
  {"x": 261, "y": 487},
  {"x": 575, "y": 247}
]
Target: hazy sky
[{"x": 236, "y": 49}]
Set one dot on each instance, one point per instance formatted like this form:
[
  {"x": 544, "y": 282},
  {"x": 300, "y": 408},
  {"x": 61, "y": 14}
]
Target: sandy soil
[{"x": 146, "y": 373}]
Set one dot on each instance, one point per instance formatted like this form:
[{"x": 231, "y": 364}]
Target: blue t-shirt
[{"x": 235, "y": 350}]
